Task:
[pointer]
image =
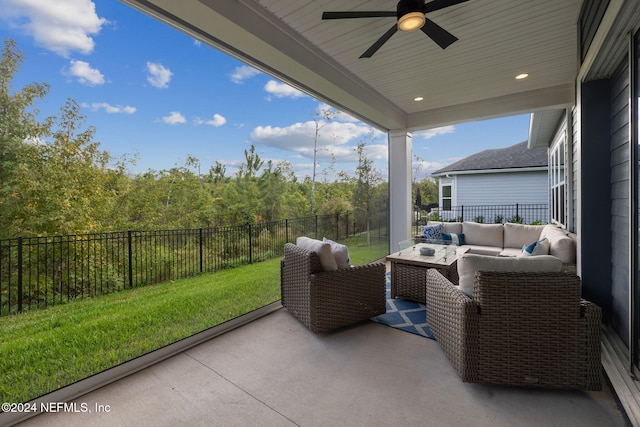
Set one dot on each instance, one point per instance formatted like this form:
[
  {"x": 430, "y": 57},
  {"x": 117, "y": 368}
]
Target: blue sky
[{"x": 156, "y": 93}]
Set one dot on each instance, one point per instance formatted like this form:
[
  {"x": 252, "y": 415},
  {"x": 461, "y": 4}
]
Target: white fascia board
[
  {"x": 557, "y": 97},
  {"x": 487, "y": 171}
]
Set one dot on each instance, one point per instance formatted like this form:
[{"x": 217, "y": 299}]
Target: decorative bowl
[{"x": 427, "y": 251}]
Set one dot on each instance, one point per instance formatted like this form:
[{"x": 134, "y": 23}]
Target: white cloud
[
  {"x": 86, "y": 75},
  {"x": 174, "y": 118},
  {"x": 110, "y": 109},
  {"x": 282, "y": 90},
  {"x": 217, "y": 120},
  {"x": 430, "y": 133},
  {"x": 242, "y": 73},
  {"x": 61, "y": 26},
  {"x": 333, "y": 139},
  {"x": 158, "y": 75}
]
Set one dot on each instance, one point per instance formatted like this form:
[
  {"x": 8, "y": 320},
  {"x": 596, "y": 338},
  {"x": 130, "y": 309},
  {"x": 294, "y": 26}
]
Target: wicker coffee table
[{"x": 409, "y": 268}]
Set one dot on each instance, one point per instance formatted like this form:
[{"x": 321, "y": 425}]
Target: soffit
[{"x": 472, "y": 79}]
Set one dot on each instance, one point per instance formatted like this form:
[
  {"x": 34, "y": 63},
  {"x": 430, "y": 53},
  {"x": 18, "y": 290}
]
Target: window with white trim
[
  {"x": 558, "y": 180},
  {"x": 446, "y": 197}
]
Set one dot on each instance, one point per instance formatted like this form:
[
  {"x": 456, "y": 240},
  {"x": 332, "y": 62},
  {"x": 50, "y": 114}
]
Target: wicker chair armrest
[
  {"x": 590, "y": 310},
  {"x": 453, "y": 319}
]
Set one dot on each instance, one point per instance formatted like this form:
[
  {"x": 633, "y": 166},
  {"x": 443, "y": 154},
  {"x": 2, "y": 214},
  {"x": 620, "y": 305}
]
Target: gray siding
[
  {"x": 503, "y": 188},
  {"x": 575, "y": 174},
  {"x": 620, "y": 201}
]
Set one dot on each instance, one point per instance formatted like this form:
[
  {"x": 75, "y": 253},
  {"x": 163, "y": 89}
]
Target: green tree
[
  {"x": 20, "y": 130},
  {"x": 63, "y": 188}
]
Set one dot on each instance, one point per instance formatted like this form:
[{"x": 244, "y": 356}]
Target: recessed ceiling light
[
  {"x": 522, "y": 76},
  {"x": 418, "y": 98}
]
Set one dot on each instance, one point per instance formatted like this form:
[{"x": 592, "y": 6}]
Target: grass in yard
[
  {"x": 48, "y": 349},
  {"x": 44, "y": 350},
  {"x": 361, "y": 253}
]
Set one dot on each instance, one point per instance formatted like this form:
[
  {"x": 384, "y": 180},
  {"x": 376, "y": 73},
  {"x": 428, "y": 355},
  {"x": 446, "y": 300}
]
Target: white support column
[{"x": 400, "y": 205}]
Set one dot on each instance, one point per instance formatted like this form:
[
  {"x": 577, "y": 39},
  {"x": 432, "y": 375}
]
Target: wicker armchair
[
  {"x": 524, "y": 329},
  {"x": 324, "y": 301}
]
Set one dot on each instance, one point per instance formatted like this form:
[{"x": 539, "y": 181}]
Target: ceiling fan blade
[
  {"x": 357, "y": 14},
  {"x": 438, "y": 34},
  {"x": 441, "y": 4},
  {"x": 378, "y": 44}
]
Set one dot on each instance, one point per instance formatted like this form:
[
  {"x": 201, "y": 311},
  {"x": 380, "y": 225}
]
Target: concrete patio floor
[{"x": 274, "y": 372}]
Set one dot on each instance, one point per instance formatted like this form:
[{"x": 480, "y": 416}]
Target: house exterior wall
[
  {"x": 502, "y": 188},
  {"x": 491, "y": 189}
]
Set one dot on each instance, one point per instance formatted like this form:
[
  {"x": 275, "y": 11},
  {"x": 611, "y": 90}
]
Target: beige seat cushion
[
  {"x": 468, "y": 264},
  {"x": 484, "y": 250},
  {"x": 511, "y": 252}
]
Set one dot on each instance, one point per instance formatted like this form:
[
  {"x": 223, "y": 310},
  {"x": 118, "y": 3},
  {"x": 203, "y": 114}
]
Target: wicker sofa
[
  {"x": 325, "y": 300},
  {"x": 526, "y": 329}
]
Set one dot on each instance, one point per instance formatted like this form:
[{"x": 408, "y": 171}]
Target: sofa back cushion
[
  {"x": 519, "y": 235},
  {"x": 561, "y": 245},
  {"x": 483, "y": 234},
  {"x": 323, "y": 249},
  {"x": 449, "y": 227},
  {"x": 468, "y": 264}
]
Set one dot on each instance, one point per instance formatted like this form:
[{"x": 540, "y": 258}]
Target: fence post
[
  {"x": 286, "y": 230},
  {"x": 250, "y": 244},
  {"x": 129, "y": 245},
  {"x": 19, "y": 276},
  {"x": 462, "y": 213},
  {"x": 201, "y": 258},
  {"x": 518, "y": 212},
  {"x": 316, "y": 226},
  {"x": 347, "y": 224}
]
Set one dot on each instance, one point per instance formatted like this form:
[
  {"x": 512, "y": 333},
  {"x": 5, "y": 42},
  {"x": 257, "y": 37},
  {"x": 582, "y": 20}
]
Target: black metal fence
[
  {"x": 36, "y": 272},
  {"x": 493, "y": 214}
]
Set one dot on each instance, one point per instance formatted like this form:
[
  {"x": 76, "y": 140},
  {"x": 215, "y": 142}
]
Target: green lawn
[
  {"x": 44, "y": 350},
  {"x": 48, "y": 349}
]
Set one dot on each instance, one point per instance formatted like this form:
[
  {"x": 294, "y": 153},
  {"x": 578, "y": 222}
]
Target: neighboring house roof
[{"x": 514, "y": 157}]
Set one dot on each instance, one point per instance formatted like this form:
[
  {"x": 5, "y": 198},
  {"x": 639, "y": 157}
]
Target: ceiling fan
[{"x": 411, "y": 17}]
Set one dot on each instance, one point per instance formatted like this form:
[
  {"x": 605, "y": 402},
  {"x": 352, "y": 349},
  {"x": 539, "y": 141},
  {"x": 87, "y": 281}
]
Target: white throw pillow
[
  {"x": 340, "y": 253},
  {"x": 468, "y": 264},
  {"x": 323, "y": 249},
  {"x": 539, "y": 247}
]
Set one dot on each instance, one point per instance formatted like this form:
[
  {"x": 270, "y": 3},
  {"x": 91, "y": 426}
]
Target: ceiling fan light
[{"x": 411, "y": 21}]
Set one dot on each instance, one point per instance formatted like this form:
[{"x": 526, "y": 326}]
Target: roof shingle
[{"x": 515, "y": 156}]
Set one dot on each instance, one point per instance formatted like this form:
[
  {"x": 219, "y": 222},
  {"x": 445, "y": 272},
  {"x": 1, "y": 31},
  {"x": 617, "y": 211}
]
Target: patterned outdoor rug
[{"x": 409, "y": 316}]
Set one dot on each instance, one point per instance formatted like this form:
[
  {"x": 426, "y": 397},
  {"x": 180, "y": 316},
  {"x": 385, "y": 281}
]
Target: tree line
[{"x": 55, "y": 179}]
